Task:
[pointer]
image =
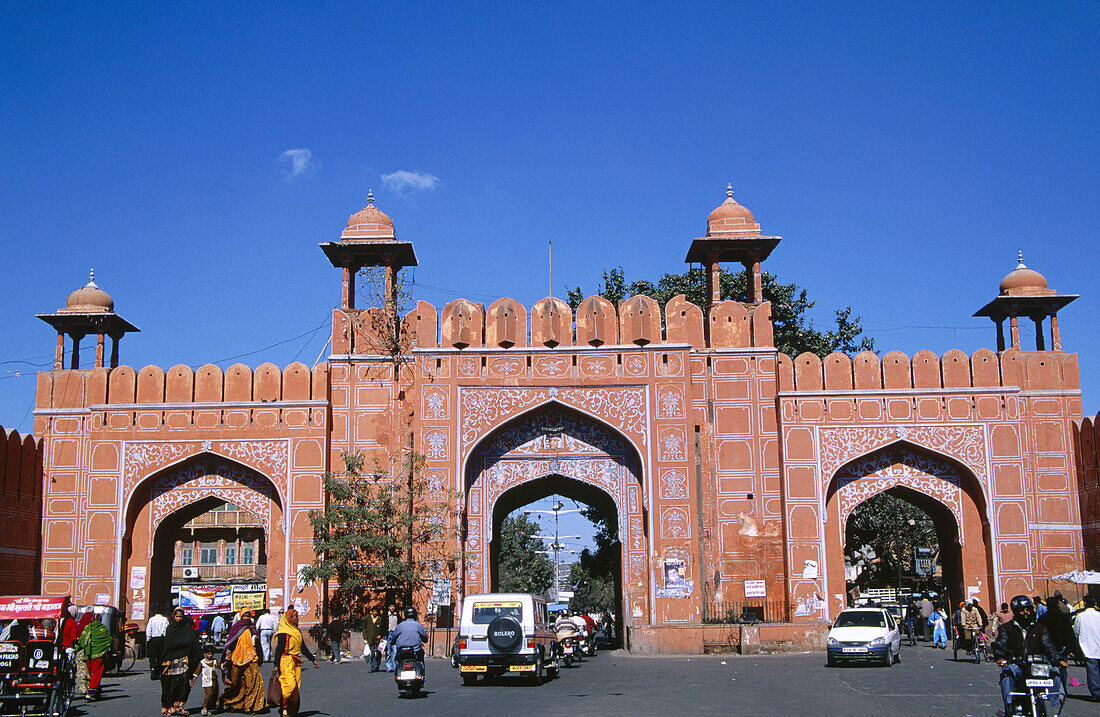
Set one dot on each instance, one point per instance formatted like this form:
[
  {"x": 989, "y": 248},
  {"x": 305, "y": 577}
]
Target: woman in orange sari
[
  {"x": 289, "y": 650},
  {"x": 244, "y": 690}
]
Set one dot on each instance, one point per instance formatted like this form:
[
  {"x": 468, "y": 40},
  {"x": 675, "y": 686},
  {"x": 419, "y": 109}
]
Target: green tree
[
  {"x": 378, "y": 533},
  {"x": 794, "y": 333},
  {"x": 520, "y": 568},
  {"x": 593, "y": 584},
  {"x": 882, "y": 535}
]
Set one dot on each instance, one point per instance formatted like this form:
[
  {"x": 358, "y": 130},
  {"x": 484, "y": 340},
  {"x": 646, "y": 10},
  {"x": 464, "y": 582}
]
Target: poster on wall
[
  {"x": 275, "y": 598},
  {"x": 674, "y": 585},
  {"x": 755, "y": 589},
  {"x": 243, "y": 600},
  {"x": 102, "y": 599},
  {"x": 137, "y": 610},
  {"x": 205, "y": 599},
  {"x": 137, "y": 577},
  {"x": 805, "y": 606}
]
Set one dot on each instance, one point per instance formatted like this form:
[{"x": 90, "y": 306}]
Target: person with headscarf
[
  {"x": 289, "y": 650},
  {"x": 244, "y": 689},
  {"x": 179, "y": 657},
  {"x": 94, "y": 643},
  {"x": 81, "y": 666},
  {"x": 68, "y": 629}
]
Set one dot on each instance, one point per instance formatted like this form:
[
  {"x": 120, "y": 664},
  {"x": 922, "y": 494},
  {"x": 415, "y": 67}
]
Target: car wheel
[
  {"x": 469, "y": 678},
  {"x": 454, "y": 660},
  {"x": 888, "y": 660},
  {"x": 553, "y": 672},
  {"x": 897, "y": 657},
  {"x": 536, "y": 677},
  {"x": 830, "y": 661}
]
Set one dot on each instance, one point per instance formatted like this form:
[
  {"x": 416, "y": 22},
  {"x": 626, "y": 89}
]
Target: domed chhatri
[
  {"x": 88, "y": 299},
  {"x": 1023, "y": 281},
  {"x": 369, "y": 223},
  {"x": 731, "y": 219}
]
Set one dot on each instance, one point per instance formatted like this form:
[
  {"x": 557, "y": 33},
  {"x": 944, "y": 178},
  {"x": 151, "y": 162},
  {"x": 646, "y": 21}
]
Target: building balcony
[
  {"x": 248, "y": 573},
  {"x": 225, "y": 519}
]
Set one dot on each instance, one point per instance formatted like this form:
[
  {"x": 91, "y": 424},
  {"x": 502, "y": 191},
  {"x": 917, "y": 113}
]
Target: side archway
[
  {"x": 947, "y": 491},
  {"x": 170, "y": 498}
]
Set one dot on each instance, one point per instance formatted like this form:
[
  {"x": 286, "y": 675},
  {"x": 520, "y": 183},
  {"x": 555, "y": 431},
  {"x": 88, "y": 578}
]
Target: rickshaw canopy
[{"x": 33, "y": 607}]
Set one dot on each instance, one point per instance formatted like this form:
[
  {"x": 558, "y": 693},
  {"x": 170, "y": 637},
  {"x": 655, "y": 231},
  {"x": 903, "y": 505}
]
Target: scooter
[
  {"x": 1037, "y": 681},
  {"x": 408, "y": 671},
  {"x": 569, "y": 649}
]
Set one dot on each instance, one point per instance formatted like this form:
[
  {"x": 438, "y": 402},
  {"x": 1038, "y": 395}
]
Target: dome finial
[
  {"x": 1020, "y": 258},
  {"x": 370, "y": 197},
  {"x": 91, "y": 276},
  {"x": 729, "y": 190}
]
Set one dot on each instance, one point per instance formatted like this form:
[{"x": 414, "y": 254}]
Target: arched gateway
[{"x": 556, "y": 449}]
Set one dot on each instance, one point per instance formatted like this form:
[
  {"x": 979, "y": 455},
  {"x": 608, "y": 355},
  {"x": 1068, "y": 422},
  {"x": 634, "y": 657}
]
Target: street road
[{"x": 927, "y": 683}]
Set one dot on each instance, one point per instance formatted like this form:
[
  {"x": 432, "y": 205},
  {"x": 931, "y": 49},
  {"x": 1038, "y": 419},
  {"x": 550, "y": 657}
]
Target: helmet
[
  {"x": 1023, "y": 610},
  {"x": 410, "y": 613}
]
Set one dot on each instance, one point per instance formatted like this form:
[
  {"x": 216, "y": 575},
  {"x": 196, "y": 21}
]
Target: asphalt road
[{"x": 927, "y": 683}]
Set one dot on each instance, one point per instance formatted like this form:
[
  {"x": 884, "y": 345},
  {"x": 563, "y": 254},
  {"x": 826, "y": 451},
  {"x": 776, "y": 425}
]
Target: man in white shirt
[
  {"x": 266, "y": 625},
  {"x": 1087, "y": 627},
  {"x": 154, "y": 639}
]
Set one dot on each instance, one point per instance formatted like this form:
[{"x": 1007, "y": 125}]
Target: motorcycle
[
  {"x": 408, "y": 671},
  {"x": 569, "y": 650},
  {"x": 1037, "y": 683}
]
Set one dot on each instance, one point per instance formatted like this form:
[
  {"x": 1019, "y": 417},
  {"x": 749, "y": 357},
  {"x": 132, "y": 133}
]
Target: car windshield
[
  {"x": 484, "y": 613},
  {"x": 860, "y": 619}
]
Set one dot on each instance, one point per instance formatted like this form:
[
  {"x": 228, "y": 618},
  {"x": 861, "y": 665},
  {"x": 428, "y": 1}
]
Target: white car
[
  {"x": 501, "y": 633},
  {"x": 864, "y": 633}
]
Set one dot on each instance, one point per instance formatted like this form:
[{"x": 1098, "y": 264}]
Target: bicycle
[{"x": 118, "y": 661}]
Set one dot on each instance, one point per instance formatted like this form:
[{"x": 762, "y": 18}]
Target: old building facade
[{"x": 713, "y": 451}]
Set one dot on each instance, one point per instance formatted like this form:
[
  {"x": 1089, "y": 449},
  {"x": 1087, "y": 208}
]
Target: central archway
[{"x": 555, "y": 449}]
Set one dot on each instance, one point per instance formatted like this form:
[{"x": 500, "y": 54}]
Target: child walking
[{"x": 209, "y": 673}]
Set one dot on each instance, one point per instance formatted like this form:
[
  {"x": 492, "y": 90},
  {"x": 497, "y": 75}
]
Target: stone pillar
[
  {"x": 1014, "y": 331},
  {"x": 59, "y": 353},
  {"x": 1055, "y": 338},
  {"x": 1000, "y": 335},
  {"x": 714, "y": 284},
  {"x": 1040, "y": 340},
  {"x": 99, "y": 351},
  {"x": 757, "y": 283},
  {"x": 347, "y": 289},
  {"x": 114, "y": 350},
  {"x": 74, "y": 363}
]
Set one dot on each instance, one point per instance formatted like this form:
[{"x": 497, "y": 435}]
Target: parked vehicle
[
  {"x": 503, "y": 633},
  {"x": 36, "y": 678},
  {"x": 121, "y": 656},
  {"x": 408, "y": 671},
  {"x": 864, "y": 634}
]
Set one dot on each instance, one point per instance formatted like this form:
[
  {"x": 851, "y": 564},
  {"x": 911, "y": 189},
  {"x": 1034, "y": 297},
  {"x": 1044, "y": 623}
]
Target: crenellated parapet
[
  {"x": 550, "y": 323},
  {"x": 1028, "y": 370}
]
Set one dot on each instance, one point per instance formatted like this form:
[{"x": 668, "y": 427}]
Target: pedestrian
[
  {"x": 373, "y": 629},
  {"x": 266, "y": 624},
  {"x": 1040, "y": 608},
  {"x": 93, "y": 643},
  {"x": 179, "y": 658},
  {"x": 244, "y": 684},
  {"x": 217, "y": 628},
  {"x": 154, "y": 641},
  {"x": 81, "y": 665},
  {"x": 939, "y": 629},
  {"x": 208, "y": 669},
  {"x": 289, "y": 649},
  {"x": 334, "y": 631},
  {"x": 1004, "y": 614},
  {"x": 1087, "y": 628},
  {"x": 926, "y": 608},
  {"x": 391, "y": 651}
]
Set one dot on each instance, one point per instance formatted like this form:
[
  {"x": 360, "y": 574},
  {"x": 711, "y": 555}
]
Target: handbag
[{"x": 274, "y": 690}]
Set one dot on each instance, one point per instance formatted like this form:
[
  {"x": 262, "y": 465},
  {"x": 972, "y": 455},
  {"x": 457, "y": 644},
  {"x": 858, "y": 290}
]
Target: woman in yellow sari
[
  {"x": 244, "y": 690},
  {"x": 288, "y": 652}
]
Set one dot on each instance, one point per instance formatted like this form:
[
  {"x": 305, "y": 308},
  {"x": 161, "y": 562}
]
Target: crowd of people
[
  {"x": 1050, "y": 627},
  {"x": 228, "y": 672}
]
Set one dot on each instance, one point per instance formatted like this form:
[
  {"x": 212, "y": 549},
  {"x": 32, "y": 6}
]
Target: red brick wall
[{"x": 20, "y": 513}]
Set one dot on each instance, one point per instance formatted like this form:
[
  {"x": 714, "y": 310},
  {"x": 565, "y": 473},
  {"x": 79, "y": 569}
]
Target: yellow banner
[{"x": 248, "y": 601}]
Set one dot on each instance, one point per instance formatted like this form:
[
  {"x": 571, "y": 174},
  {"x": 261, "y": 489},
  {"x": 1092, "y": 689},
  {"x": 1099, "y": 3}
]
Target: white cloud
[
  {"x": 297, "y": 163},
  {"x": 403, "y": 181}
]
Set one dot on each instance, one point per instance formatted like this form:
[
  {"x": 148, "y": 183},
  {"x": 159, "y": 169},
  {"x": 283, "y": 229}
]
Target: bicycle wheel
[
  {"x": 955, "y": 647},
  {"x": 128, "y": 659}
]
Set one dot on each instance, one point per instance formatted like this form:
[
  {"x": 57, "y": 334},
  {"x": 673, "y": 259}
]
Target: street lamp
[{"x": 557, "y": 510}]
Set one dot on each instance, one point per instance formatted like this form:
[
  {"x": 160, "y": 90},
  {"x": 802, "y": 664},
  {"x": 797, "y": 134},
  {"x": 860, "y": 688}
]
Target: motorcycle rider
[
  {"x": 1018, "y": 639},
  {"x": 410, "y": 633}
]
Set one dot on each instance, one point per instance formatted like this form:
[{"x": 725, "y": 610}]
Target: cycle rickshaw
[
  {"x": 976, "y": 647},
  {"x": 36, "y": 677}
]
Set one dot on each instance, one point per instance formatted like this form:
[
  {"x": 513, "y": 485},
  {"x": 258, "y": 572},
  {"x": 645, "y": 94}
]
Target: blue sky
[{"x": 905, "y": 154}]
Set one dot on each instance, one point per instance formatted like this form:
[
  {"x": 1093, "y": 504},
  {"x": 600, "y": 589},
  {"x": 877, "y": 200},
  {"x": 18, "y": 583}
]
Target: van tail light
[
  {"x": 530, "y": 642},
  {"x": 462, "y": 643}
]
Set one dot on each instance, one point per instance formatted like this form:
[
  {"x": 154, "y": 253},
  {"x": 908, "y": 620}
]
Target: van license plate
[
  {"x": 473, "y": 668},
  {"x": 1039, "y": 683},
  {"x": 521, "y": 668},
  {"x": 855, "y": 649}
]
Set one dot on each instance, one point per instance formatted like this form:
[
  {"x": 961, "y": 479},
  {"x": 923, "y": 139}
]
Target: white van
[{"x": 501, "y": 633}]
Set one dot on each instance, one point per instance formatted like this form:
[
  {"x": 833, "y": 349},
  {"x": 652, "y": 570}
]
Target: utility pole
[{"x": 556, "y": 546}]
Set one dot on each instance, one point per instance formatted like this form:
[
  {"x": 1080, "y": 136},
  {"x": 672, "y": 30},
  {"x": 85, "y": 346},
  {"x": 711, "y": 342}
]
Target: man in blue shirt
[{"x": 410, "y": 633}]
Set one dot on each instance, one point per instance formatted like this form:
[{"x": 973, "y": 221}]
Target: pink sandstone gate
[{"x": 547, "y": 445}]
